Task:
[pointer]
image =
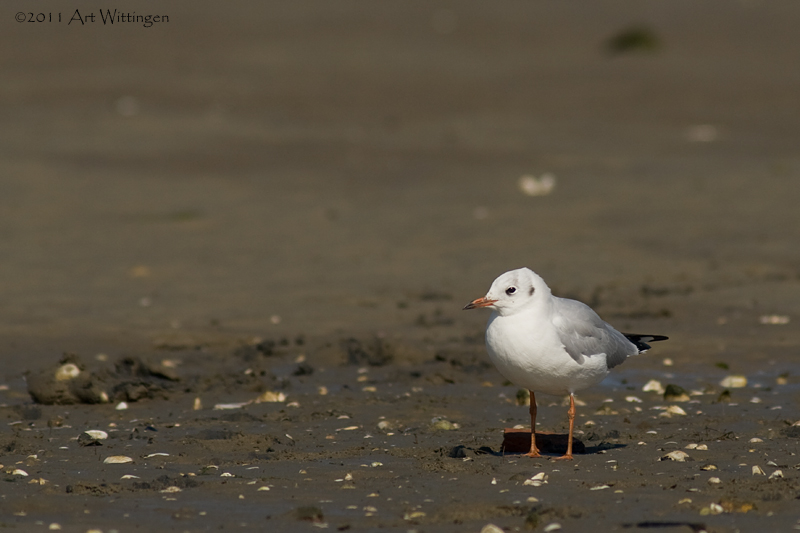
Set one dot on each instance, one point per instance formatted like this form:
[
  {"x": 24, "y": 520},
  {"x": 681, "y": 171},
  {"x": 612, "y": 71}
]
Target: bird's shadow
[
  {"x": 461, "y": 451},
  {"x": 603, "y": 446}
]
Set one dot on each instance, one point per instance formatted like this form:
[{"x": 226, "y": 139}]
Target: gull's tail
[{"x": 641, "y": 340}]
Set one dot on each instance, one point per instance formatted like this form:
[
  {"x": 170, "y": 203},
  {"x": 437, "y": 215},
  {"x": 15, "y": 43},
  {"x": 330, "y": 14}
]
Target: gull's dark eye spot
[
  {"x": 511, "y": 290},
  {"x": 532, "y": 289}
]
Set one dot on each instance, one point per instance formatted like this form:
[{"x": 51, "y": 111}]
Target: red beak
[{"x": 480, "y": 302}]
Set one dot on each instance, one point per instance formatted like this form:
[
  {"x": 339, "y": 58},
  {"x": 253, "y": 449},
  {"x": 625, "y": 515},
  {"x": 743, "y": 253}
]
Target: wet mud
[{"x": 234, "y": 249}]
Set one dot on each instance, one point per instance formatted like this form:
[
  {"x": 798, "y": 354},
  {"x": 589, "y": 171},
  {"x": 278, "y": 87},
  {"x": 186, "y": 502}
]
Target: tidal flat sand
[{"x": 253, "y": 228}]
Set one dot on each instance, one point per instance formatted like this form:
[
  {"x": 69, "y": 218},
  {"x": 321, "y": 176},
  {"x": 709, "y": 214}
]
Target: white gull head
[{"x": 513, "y": 292}]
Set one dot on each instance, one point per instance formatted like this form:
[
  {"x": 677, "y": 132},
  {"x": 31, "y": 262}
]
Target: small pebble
[
  {"x": 121, "y": 406},
  {"x": 443, "y": 424},
  {"x": 714, "y": 480},
  {"x": 555, "y": 526},
  {"x": 755, "y": 440}
]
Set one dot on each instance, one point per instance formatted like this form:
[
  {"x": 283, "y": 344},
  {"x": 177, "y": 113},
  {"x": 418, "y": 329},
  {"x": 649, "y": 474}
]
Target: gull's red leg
[
  {"x": 571, "y": 414},
  {"x": 534, "y": 450}
]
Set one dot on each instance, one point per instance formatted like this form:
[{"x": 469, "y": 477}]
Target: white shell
[{"x": 117, "y": 460}]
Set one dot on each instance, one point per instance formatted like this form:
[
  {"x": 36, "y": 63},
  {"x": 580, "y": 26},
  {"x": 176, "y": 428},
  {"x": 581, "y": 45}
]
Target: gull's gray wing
[{"x": 585, "y": 334}]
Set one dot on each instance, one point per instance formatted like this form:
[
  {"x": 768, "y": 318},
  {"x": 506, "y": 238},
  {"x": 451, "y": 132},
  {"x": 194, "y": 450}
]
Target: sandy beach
[{"x": 238, "y": 242}]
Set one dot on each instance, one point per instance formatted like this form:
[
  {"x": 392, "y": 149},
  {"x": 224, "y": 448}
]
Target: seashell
[
  {"x": 775, "y": 320},
  {"x": 117, "y": 460},
  {"x": 541, "y": 186},
  {"x": 67, "y": 371},
  {"x": 272, "y": 397},
  {"x": 653, "y": 386},
  {"x": 758, "y": 471},
  {"x": 734, "y": 382},
  {"x": 227, "y": 406},
  {"x": 537, "y": 481},
  {"x": 676, "y": 455}
]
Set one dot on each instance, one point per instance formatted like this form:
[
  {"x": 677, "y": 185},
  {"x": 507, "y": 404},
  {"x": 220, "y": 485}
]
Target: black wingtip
[{"x": 641, "y": 340}]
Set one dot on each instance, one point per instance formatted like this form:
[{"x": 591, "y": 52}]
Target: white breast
[{"x": 534, "y": 358}]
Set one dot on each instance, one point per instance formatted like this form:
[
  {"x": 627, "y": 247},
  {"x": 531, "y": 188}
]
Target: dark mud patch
[{"x": 70, "y": 382}]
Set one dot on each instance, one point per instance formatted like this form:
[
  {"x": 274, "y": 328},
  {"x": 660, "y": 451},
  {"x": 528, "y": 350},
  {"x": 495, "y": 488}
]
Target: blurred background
[{"x": 359, "y": 166}]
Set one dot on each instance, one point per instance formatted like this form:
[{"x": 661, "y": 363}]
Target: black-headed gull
[{"x": 549, "y": 344}]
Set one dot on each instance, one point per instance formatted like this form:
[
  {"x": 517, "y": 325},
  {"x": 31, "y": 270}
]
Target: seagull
[{"x": 549, "y": 344}]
